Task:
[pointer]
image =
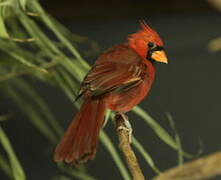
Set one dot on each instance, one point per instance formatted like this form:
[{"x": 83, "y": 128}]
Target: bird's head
[{"x": 147, "y": 43}]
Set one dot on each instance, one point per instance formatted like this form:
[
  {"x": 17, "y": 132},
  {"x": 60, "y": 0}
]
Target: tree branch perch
[
  {"x": 124, "y": 145},
  {"x": 200, "y": 169}
]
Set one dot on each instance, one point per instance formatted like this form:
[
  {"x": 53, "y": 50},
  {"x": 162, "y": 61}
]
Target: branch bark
[
  {"x": 200, "y": 169},
  {"x": 124, "y": 145}
]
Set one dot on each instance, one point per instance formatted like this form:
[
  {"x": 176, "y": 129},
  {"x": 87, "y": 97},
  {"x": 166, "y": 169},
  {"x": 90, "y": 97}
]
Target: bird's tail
[{"x": 80, "y": 140}]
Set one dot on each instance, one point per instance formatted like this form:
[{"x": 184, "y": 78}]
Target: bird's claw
[{"x": 127, "y": 127}]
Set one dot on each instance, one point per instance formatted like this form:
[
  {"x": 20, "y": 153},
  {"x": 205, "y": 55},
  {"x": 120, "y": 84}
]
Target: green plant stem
[
  {"x": 14, "y": 74},
  {"x": 16, "y": 167},
  {"x": 110, "y": 147}
]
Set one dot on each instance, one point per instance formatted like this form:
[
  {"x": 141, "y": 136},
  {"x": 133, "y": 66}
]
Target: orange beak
[{"x": 159, "y": 56}]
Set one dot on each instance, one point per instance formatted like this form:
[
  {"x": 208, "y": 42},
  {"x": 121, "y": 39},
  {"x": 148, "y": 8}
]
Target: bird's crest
[
  {"x": 140, "y": 39},
  {"x": 147, "y": 33}
]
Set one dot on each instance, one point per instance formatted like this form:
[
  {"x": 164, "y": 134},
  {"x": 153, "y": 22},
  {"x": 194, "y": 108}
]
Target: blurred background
[{"x": 188, "y": 87}]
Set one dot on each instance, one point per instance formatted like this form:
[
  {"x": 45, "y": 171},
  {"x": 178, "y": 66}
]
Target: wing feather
[{"x": 110, "y": 76}]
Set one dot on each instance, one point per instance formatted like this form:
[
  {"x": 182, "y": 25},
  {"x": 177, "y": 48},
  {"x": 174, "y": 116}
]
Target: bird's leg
[{"x": 127, "y": 126}]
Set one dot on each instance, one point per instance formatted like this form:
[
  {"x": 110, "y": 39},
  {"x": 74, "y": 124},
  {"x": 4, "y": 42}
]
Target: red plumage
[{"x": 119, "y": 80}]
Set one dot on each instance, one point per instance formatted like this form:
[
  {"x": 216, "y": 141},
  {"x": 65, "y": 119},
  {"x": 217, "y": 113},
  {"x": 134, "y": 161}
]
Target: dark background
[{"x": 188, "y": 87}]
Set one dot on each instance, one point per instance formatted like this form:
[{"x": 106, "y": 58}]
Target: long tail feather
[{"x": 80, "y": 140}]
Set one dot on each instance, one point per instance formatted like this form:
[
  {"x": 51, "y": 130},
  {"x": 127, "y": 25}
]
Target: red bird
[{"x": 121, "y": 77}]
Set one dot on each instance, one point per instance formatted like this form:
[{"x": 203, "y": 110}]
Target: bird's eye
[{"x": 151, "y": 45}]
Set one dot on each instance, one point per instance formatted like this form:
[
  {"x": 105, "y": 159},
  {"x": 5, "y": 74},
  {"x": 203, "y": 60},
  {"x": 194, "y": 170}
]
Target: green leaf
[
  {"x": 115, "y": 156},
  {"x": 3, "y": 30},
  {"x": 23, "y": 4},
  {"x": 5, "y": 166},
  {"x": 16, "y": 167},
  {"x": 161, "y": 133},
  {"x": 108, "y": 114},
  {"x": 69, "y": 93},
  {"x": 32, "y": 114},
  {"x": 177, "y": 139},
  {"x": 69, "y": 80},
  {"x": 20, "y": 55},
  {"x": 61, "y": 178},
  {"x": 60, "y": 36},
  {"x": 41, "y": 105},
  {"x": 145, "y": 154},
  {"x": 81, "y": 175}
]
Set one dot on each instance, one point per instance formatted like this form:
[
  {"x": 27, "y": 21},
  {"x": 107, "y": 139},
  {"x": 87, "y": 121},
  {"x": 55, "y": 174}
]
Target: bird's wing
[{"x": 110, "y": 76}]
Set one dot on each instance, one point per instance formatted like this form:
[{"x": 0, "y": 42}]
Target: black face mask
[{"x": 153, "y": 48}]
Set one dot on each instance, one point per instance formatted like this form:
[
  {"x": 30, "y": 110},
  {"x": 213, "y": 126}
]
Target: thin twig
[
  {"x": 124, "y": 145},
  {"x": 200, "y": 169},
  {"x": 13, "y": 74}
]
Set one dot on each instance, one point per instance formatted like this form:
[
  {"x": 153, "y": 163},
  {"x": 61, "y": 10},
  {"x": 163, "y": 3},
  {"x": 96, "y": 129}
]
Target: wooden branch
[
  {"x": 200, "y": 169},
  {"x": 124, "y": 145},
  {"x": 216, "y": 4}
]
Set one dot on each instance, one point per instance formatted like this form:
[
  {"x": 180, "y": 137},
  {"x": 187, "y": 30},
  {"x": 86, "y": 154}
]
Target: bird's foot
[{"x": 127, "y": 126}]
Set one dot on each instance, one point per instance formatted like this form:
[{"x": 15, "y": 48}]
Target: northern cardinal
[{"x": 119, "y": 80}]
